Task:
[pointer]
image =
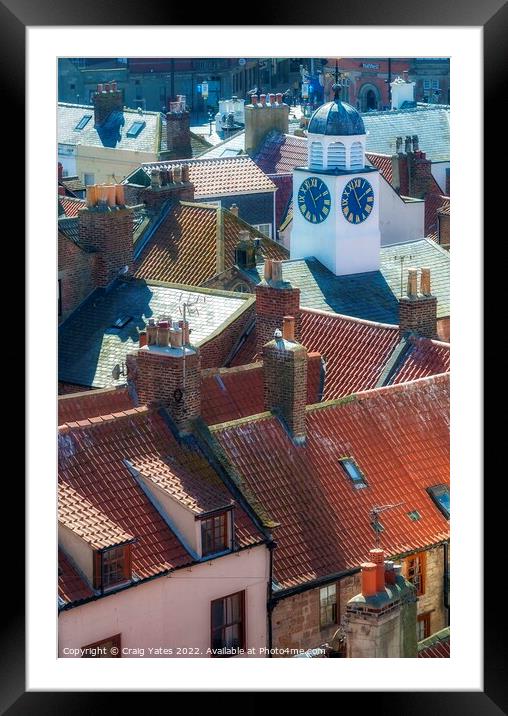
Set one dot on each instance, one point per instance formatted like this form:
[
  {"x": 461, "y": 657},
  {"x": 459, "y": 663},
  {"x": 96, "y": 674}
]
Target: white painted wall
[
  {"x": 438, "y": 170},
  {"x": 342, "y": 247},
  {"x": 398, "y": 220},
  {"x": 173, "y": 612},
  {"x": 67, "y": 157}
]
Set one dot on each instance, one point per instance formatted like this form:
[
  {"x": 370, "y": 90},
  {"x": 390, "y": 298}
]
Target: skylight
[
  {"x": 414, "y": 515},
  {"x": 441, "y": 497},
  {"x": 353, "y": 471},
  {"x": 122, "y": 321},
  {"x": 83, "y": 121},
  {"x": 135, "y": 128}
]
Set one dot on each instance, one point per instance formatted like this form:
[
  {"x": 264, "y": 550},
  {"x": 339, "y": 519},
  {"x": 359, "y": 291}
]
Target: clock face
[
  {"x": 314, "y": 200},
  {"x": 357, "y": 200}
]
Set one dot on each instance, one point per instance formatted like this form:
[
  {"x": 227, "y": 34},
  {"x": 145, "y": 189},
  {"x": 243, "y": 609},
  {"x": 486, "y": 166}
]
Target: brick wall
[
  {"x": 272, "y": 304},
  {"x": 217, "y": 349},
  {"x": 418, "y": 314},
  {"x": 158, "y": 377},
  {"x": 295, "y": 620},
  {"x": 154, "y": 198},
  {"x": 420, "y": 174},
  {"x": 285, "y": 383},
  {"x": 75, "y": 271},
  {"x": 443, "y": 329},
  {"x": 109, "y": 230},
  {"x": 443, "y": 223},
  {"x": 178, "y": 134}
]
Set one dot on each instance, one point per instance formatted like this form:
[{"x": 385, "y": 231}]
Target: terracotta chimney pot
[
  {"x": 368, "y": 579},
  {"x": 377, "y": 556},
  {"x": 268, "y": 269},
  {"x": 412, "y": 290},
  {"x": 425, "y": 281},
  {"x": 288, "y": 328}
]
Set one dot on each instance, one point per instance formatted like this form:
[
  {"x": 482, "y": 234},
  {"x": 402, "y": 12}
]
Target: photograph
[{"x": 253, "y": 357}]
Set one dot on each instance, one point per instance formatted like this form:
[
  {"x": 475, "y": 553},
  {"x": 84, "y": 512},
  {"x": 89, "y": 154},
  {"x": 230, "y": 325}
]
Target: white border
[{"x": 464, "y": 669}]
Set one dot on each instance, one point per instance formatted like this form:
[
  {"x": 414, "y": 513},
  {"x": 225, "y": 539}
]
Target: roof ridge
[
  {"x": 92, "y": 393},
  {"x": 107, "y": 418},
  {"x": 351, "y": 319}
]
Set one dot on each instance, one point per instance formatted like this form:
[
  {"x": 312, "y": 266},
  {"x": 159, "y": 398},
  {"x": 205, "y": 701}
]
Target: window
[
  {"x": 426, "y": 84},
  {"x": 83, "y": 121},
  {"x": 415, "y": 571},
  {"x": 414, "y": 516},
  {"x": 88, "y": 179},
  {"x": 228, "y": 623},
  {"x": 353, "y": 471},
  {"x": 328, "y": 605},
  {"x": 440, "y": 494},
  {"x": 214, "y": 534},
  {"x": 265, "y": 229},
  {"x": 435, "y": 84},
  {"x": 422, "y": 626},
  {"x": 111, "y": 567},
  {"x": 135, "y": 128},
  {"x": 106, "y": 649}
]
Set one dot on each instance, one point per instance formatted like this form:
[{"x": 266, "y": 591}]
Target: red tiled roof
[
  {"x": 233, "y": 393},
  {"x": 92, "y": 403},
  {"x": 69, "y": 206},
  {"x": 92, "y": 455},
  {"x": 86, "y": 521},
  {"x": 71, "y": 587},
  {"x": 284, "y": 184},
  {"x": 398, "y": 436},
  {"x": 355, "y": 351},
  {"x": 424, "y": 358},
  {"x": 247, "y": 351},
  {"x": 281, "y": 153},
  {"x": 436, "y": 646},
  {"x": 184, "y": 247},
  {"x": 222, "y": 176},
  {"x": 383, "y": 162},
  {"x": 434, "y": 202}
]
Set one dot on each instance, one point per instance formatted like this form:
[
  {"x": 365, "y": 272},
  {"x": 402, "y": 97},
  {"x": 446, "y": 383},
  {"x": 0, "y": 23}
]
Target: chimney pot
[
  {"x": 368, "y": 579},
  {"x": 389, "y": 572},
  {"x": 397, "y": 568},
  {"x": 177, "y": 173},
  {"x": 151, "y": 332},
  {"x": 276, "y": 270},
  {"x": 185, "y": 172},
  {"x": 254, "y": 99},
  {"x": 263, "y": 99},
  {"x": 279, "y": 97},
  {"x": 288, "y": 328},
  {"x": 111, "y": 195},
  {"x": 99, "y": 87},
  {"x": 425, "y": 281},
  {"x": 377, "y": 556},
  {"x": 234, "y": 209},
  {"x": 91, "y": 195},
  {"x": 120, "y": 195},
  {"x": 113, "y": 86},
  {"x": 184, "y": 326},
  {"x": 412, "y": 291},
  {"x": 271, "y": 97},
  {"x": 143, "y": 339},
  {"x": 268, "y": 269},
  {"x": 176, "y": 337},
  {"x": 107, "y": 87},
  {"x": 163, "y": 334}
]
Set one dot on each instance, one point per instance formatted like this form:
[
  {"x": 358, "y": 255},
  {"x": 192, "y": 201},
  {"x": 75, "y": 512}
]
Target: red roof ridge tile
[
  {"x": 266, "y": 415},
  {"x": 90, "y": 422},
  {"x": 95, "y": 391},
  {"x": 351, "y": 319},
  {"x": 419, "y": 339},
  {"x": 210, "y": 372}
]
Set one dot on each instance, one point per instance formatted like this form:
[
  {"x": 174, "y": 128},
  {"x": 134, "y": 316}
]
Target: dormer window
[
  {"x": 215, "y": 534},
  {"x": 112, "y": 567}
]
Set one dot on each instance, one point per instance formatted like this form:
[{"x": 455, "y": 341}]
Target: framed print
[{"x": 338, "y": 193}]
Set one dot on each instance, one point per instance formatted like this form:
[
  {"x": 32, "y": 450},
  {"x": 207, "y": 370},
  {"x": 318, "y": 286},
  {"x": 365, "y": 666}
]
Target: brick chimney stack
[
  {"x": 285, "y": 379},
  {"x": 106, "y": 99},
  {"x": 418, "y": 310},
  {"x": 382, "y": 618},
  {"x": 169, "y": 181},
  {"x": 106, "y": 224},
  {"x": 261, "y": 117},
  {"x": 178, "y": 129},
  {"x": 275, "y": 298},
  {"x": 166, "y": 372}
]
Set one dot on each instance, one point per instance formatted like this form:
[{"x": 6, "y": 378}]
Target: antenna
[
  {"x": 402, "y": 258},
  {"x": 374, "y": 514}
]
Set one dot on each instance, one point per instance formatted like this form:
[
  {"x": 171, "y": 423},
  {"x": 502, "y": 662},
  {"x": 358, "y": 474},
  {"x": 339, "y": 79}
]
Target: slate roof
[
  {"x": 71, "y": 586},
  {"x": 73, "y": 183},
  {"x": 398, "y": 436},
  {"x": 230, "y": 147},
  {"x": 92, "y": 464},
  {"x": 73, "y": 407},
  {"x": 113, "y": 134},
  {"x": 233, "y": 393},
  {"x": 371, "y": 296},
  {"x": 184, "y": 246},
  {"x": 336, "y": 118},
  {"x": 90, "y": 347},
  {"x": 214, "y": 177},
  {"x": 436, "y": 646},
  {"x": 430, "y": 122}
]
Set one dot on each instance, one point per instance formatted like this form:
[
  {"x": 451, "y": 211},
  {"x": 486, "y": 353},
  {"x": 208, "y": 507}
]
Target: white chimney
[{"x": 402, "y": 91}]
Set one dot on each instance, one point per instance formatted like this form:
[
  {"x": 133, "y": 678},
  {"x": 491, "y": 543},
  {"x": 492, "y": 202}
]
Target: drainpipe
[
  {"x": 446, "y": 581},
  {"x": 271, "y": 546}
]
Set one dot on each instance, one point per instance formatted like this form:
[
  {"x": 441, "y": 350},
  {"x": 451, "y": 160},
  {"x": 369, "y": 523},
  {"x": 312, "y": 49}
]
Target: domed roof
[{"x": 336, "y": 118}]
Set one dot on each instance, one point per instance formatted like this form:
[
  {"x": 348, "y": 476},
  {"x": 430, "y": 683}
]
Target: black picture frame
[{"x": 15, "y": 17}]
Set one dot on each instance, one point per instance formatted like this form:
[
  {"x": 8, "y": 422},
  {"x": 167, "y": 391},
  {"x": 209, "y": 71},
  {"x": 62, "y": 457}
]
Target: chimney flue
[
  {"x": 268, "y": 270},
  {"x": 425, "y": 281},
  {"x": 151, "y": 332},
  {"x": 377, "y": 556},
  {"x": 412, "y": 290},
  {"x": 276, "y": 270},
  {"x": 368, "y": 579},
  {"x": 288, "y": 328},
  {"x": 163, "y": 334}
]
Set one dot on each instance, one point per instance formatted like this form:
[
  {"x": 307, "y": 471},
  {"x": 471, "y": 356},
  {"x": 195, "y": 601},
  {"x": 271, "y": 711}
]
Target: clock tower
[{"x": 336, "y": 197}]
